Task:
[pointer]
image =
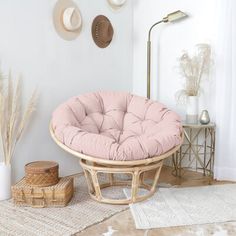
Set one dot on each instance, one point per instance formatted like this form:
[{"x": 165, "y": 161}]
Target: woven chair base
[
  {"x": 137, "y": 180},
  {"x": 136, "y": 169}
]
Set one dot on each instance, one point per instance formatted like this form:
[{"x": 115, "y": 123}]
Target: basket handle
[
  {"x": 22, "y": 197},
  {"x": 33, "y": 197},
  {"x": 53, "y": 196}
]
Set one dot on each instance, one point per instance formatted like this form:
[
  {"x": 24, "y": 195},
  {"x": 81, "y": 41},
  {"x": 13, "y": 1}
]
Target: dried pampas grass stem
[
  {"x": 192, "y": 70},
  {"x": 13, "y": 118}
]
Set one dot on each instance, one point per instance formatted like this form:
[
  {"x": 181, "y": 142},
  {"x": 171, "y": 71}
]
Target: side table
[{"x": 197, "y": 151}]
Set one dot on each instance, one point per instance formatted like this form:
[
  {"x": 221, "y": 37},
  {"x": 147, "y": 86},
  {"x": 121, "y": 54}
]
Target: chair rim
[{"x": 114, "y": 162}]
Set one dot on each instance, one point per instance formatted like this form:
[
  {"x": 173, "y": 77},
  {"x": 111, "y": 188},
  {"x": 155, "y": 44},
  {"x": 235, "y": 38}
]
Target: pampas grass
[
  {"x": 13, "y": 118},
  {"x": 192, "y": 70}
]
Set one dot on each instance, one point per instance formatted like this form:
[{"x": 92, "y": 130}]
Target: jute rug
[
  {"x": 186, "y": 206},
  {"x": 81, "y": 213}
]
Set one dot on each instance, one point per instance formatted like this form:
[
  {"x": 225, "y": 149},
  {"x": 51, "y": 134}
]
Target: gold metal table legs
[{"x": 197, "y": 152}]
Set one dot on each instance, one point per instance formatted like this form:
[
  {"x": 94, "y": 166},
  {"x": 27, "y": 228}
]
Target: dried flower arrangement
[
  {"x": 192, "y": 69},
  {"x": 13, "y": 118}
]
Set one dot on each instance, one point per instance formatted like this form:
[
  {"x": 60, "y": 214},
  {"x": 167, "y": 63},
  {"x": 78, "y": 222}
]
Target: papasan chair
[{"x": 117, "y": 134}]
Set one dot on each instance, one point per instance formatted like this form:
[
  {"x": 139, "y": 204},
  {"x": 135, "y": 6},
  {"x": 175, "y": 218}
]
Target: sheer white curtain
[{"x": 225, "y": 114}]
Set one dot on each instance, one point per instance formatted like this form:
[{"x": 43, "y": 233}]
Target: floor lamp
[{"x": 174, "y": 16}]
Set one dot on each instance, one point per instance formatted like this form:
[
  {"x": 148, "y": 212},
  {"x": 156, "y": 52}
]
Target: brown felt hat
[{"x": 102, "y": 31}]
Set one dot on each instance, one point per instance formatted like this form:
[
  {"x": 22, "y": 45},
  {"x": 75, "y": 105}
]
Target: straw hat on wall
[
  {"x": 116, "y": 4},
  {"x": 67, "y": 19},
  {"x": 102, "y": 31}
]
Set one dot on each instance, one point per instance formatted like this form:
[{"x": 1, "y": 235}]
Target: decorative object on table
[
  {"x": 102, "y": 31},
  {"x": 174, "y": 16},
  {"x": 80, "y": 213},
  {"x": 58, "y": 195},
  {"x": 192, "y": 109},
  {"x": 171, "y": 207},
  {"x": 41, "y": 173},
  {"x": 116, "y": 4},
  {"x": 204, "y": 117},
  {"x": 193, "y": 69},
  {"x": 13, "y": 120},
  {"x": 116, "y": 147},
  {"x": 197, "y": 151},
  {"x": 67, "y": 19}
]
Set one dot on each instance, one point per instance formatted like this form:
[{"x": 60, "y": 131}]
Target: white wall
[
  {"x": 168, "y": 42},
  {"x": 58, "y": 68},
  {"x": 204, "y": 25}
]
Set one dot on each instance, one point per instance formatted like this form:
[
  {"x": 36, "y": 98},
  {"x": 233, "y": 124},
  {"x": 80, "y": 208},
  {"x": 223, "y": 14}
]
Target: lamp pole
[
  {"x": 149, "y": 45},
  {"x": 169, "y": 18}
]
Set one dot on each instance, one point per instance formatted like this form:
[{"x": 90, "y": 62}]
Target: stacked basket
[{"x": 42, "y": 187}]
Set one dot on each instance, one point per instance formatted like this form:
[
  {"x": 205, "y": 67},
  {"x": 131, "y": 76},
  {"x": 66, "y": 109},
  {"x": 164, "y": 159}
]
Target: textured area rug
[
  {"x": 78, "y": 215},
  {"x": 186, "y": 206}
]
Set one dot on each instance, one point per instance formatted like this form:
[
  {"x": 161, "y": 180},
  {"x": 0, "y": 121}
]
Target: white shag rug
[
  {"x": 81, "y": 213},
  {"x": 186, "y": 206}
]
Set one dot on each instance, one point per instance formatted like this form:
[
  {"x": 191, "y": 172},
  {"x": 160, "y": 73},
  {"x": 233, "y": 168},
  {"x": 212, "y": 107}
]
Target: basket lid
[{"x": 40, "y": 166}]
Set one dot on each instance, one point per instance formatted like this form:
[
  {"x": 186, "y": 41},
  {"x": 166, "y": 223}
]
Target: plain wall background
[
  {"x": 30, "y": 46},
  {"x": 168, "y": 42},
  {"x": 204, "y": 25},
  {"x": 60, "y": 69}
]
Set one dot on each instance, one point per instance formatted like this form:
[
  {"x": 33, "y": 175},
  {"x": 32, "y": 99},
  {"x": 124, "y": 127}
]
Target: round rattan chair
[{"x": 73, "y": 133}]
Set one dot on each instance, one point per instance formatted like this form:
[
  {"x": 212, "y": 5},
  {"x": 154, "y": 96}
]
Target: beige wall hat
[
  {"x": 102, "y": 31},
  {"x": 116, "y": 4},
  {"x": 67, "y": 19}
]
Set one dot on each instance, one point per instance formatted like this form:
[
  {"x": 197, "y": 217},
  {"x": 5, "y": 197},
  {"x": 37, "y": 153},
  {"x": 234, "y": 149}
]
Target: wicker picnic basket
[
  {"x": 41, "y": 173},
  {"x": 58, "y": 195}
]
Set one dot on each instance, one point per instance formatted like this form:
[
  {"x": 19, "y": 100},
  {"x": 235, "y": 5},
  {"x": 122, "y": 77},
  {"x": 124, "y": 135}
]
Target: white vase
[
  {"x": 192, "y": 109},
  {"x": 5, "y": 181}
]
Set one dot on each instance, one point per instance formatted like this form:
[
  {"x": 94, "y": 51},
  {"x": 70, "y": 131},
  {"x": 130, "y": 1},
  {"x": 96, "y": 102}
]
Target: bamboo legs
[{"x": 137, "y": 180}]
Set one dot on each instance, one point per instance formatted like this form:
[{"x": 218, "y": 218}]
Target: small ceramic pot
[
  {"x": 192, "y": 109},
  {"x": 204, "y": 118},
  {"x": 5, "y": 181}
]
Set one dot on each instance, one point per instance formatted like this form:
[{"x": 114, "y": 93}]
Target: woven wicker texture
[
  {"x": 41, "y": 173},
  {"x": 53, "y": 196}
]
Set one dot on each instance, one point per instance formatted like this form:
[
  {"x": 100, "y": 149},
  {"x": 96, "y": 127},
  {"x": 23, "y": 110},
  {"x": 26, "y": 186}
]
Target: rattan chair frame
[{"x": 137, "y": 169}]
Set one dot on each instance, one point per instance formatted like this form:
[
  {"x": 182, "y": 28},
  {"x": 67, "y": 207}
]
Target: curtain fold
[{"x": 225, "y": 112}]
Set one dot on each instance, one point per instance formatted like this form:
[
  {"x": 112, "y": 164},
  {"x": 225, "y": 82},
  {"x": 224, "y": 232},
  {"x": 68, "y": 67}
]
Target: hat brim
[
  {"x": 96, "y": 20},
  {"x": 59, "y": 8},
  {"x": 114, "y": 6}
]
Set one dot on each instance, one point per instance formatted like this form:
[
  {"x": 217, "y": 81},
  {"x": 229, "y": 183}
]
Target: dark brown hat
[{"x": 102, "y": 31}]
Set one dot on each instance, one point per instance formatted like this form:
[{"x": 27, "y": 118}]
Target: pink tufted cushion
[{"x": 116, "y": 126}]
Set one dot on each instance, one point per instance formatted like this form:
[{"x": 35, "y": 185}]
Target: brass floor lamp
[{"x": 174, "y": 16}]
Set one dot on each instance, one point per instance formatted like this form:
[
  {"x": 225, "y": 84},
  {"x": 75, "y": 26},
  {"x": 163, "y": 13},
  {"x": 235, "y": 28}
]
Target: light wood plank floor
[{"x": 123, "y": 223}]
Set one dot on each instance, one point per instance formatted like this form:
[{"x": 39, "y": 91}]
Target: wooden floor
[{"x": 122, "y": 224}]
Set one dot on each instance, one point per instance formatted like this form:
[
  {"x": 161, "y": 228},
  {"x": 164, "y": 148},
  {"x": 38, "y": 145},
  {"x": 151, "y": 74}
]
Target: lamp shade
[{"x": 174, "y": 16}]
